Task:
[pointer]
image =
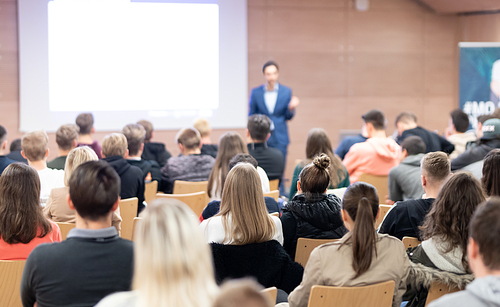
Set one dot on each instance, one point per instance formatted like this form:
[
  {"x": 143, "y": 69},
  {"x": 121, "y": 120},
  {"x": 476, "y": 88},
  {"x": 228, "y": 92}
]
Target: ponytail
[
  {"x": 363, "y": 238},
  {"x": 361, "y": 204}
]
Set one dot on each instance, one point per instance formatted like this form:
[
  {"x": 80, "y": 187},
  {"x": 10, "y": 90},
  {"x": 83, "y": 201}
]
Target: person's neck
[
  {"x": 270, "y": 86},
  {"x": 250, "y": 140},
  {"x": 38, "y": 165},
  {"x": 188, "y": 152},
  {"x": 206, "y": 140},
  {"x": 89, "y": 224},
  {"x": 431, "y": 192},
  {"x": 85, "y": 139},
  {"x": 2, "y": 153},
  {"x": 63, "y": 153},
  {"x": 138, "y": 155},
  {"x": 378, "y": 134}
]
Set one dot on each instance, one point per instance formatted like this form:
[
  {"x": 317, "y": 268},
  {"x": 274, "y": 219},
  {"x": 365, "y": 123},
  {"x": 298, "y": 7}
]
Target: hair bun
[{"x": 322, "y": 161}]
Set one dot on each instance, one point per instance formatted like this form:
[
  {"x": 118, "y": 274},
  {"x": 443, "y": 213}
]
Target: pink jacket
[{"x": 375, "y": 156}]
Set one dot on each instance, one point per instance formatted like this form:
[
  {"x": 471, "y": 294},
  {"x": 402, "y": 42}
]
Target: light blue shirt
[{"x": 270, "y": 97}]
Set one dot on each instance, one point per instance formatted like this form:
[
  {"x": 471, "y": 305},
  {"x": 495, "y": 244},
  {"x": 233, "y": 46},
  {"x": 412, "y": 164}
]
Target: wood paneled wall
[{"x": 340, "y": 63}]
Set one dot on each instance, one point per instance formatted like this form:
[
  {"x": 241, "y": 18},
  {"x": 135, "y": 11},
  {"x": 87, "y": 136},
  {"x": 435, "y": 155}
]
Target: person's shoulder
[
  {"x": 135, "y": 170},
  {"x": 258, "y": 89},
  {"x": 275, "y": 152},
  {"x": 390, "y": 242}
]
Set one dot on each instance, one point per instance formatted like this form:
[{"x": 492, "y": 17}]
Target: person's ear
[
  {"x": 142, "y": 147},
  {"x": 116, "y": 204},
  {"x": 46, "y": 153},
  {"x": 126, "y": 155},
  {"x": 4, "y": 145},
  {"x": 404, "y": 153},
  {"x": 298, "y": 187},
  {"x": 74, "y": 144},
  {"x": 102, "y": 154},
  {"x": 152, "y": 134},
  {"x": 70, "y": 203},
  {"x": 248, "y": 133},
  {"x": 268, "y": 136},
  {"x": 424, "y": 180},
  {"x": 344, "y": 215},
  {"x": 22, "y": 154},
  {"x": 181, "y": 147},
  {"x": 92, "y": 130}
]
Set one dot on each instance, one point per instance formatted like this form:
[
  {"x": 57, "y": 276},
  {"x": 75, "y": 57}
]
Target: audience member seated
[
  {"x": 93, "y": 261},
  {"x": 15, "y": 152},
  {"x": 190, "y": 166},
  {"x": 66, "y": 137},
  {"x": 135, "y": 134},
  {"x": 489, "y": 140},
  {"x": 491, "y": 173},
  {"x": 245, "y": 239},
  {"x": 348, "y": 141},
  {"x": 362, "y": 257},
  {"x": 231, "y": 144},
  {"x": 242, "y": 293},
  {"x": 35, "y": 150},
  {"x": 479, "y": 130},
  {"x": 445, "y": 232},
  {"x": 4, "y": 160},
  {"x": 377, "y": 155},
  {"x": 270, "y": 159},
  {"x": 213, "y": 207},
  {"x": 153, "y": 150},
  {"x": 203, "y": 127},
  {"x": 404, "y": 179},
  {"x": 318, "y": 142},
  {"x": 406, "y": 123},
  {"x": 85, "y": 122},
  {"x": 57, "y": 208},
  {"x": 242, "y": 207},
  {"x": 172, "y": 262},
  {"x": 312, "y": 213},
  {"x": 114, "y": 149},
  {"x": 22, "y": 224},
  {"x": 405, "y": 218},
  {"x": 483, "y": 255},
  {"x": 456, "y": 133}
]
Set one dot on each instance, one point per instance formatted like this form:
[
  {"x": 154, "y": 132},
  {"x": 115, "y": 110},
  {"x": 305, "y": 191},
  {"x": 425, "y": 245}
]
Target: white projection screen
[{"x": 124, "y": 60}]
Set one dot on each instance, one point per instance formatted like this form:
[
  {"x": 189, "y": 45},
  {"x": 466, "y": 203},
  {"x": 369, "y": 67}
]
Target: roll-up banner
[{"x": 479, "y": 79}]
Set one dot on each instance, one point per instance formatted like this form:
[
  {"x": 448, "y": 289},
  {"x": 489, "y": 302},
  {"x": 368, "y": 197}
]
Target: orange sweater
[{"x": 375, "y": 156}]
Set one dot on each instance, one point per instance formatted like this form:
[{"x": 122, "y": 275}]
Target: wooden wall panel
[{"x": 480, "y": 28}]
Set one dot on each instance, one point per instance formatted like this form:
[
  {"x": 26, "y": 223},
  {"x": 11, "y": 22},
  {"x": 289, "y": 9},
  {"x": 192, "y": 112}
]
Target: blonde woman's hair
[
  {"x": 243, "y": 201},
  {"x": 172, "y": 260},
  {"x": 76, "y": 157}
]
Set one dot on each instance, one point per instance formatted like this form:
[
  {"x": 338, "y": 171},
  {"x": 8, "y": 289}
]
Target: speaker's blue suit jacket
[{"x": 279, "y": 136}]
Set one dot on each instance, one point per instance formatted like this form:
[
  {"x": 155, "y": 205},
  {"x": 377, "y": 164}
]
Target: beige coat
[
  {"x": 57, "y": 208},
  {"x": 330, "y": 265}
]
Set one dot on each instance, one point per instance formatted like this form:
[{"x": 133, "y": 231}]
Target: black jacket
[
  {"x": 317, "y": 217},
  {"x": 148, "y": 166},
  {"x": 4, "y": 162},
  {"x": 270, "y": 159},
  {"x": 474, "y": 154},
  {"x": 267, "y": 262},
  {"x": 210, "y": 149},
  {"x": 433, "y": 141},
  {"x": 132, "y": 182},
  {"x": 404, "y": 218},
  {"x": 157, "y": 152}
]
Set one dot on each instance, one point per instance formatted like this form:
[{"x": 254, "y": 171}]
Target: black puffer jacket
[{"x": 317, "y": 217}]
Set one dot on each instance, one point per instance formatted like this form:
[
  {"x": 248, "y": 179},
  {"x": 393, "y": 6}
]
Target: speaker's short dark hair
[
  {"x": 242, "y": 158},
  {"x": 259, "y": 126},
  {"x": 270, "y": 63},
  {"x": 460, "y": 120},
  {"x": 485, "y": 230},
  {"x": 414, "y": 145},
  {"x": 94, "y": 187}
]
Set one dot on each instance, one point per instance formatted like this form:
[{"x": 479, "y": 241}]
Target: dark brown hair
[
  {"x": 148, "y": 126},
  {"x": 317, "y": 143},
  {"x": 65, "y": 136},
  {"x": 259, "y": 126},
  {"x": 189, "y": 138},
  {"x": 135, "y": 134},
  {"x": 21, "y": 215},
  {"x": 270, "y": 63},
  {"x": 491, "y": 173},
  {"x": 242, "y": 158},
  {"x": 460, "y": 120},
  {"x": 361, "y": 203},
  {"x": 230, "y": 144},
  {"x": 85, "y": 121},
  {"x": 94, "y": 187},
  {"x": 376, "y": 118},
  {"x": 414, "y": 145},
  {"x": 485, "y": 230},
  {"x": 314, "y": 177},
  {"x": 452, "y": 211}
]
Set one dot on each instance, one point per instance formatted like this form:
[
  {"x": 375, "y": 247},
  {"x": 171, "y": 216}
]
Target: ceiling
[{"x": 462, "y": 6}]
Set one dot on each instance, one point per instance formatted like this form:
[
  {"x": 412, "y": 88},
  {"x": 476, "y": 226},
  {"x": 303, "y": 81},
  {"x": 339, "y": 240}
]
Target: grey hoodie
[
  {"x": 482, "y": 292},
  {"x": 404, "y": 179}
]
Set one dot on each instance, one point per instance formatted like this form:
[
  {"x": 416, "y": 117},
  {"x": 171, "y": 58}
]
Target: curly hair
[{"x": 452, "y": 212}]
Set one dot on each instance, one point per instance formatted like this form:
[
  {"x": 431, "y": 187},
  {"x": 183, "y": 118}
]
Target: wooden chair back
[
  {"x": 273, "y": 193},
  {"x": 150, "y": 190},
  {"x": 195, "y": 201},
  {"x": 437, "y": 290},
  {"x": 410, "y": 242},
  {"x": 65, "y": 228},
  {"x": 10, "y": 283},
  {"x": 134, "y": 226},
  {"x": 187, "y": 187},
  {"x": 383, "y": 209},
  {"x": 128, "y": 211},
  {"x": 271, "y": 293},
  {"x": 381, "y": 183},
  {"x": 378, "y": 295},
  {"x": 305, "y": 246},
  {"x": 274, "y": 184}
]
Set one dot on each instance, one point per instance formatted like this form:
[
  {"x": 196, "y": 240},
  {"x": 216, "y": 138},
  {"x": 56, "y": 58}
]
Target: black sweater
[
  {"x": 474, "y": 154},
  {"x": 316, "y": 217}
]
